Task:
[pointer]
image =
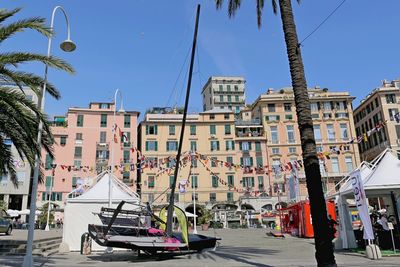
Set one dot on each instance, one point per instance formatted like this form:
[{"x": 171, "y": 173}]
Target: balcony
[
  {"x": 102, "y": 145},
  {"x": 128, "y": 182},
  {"x": 226, "y": 101},
  {"x": 253, "y": 122},
  {"x": 249, "y": 132},
  {"x": 225, "y": 92}
]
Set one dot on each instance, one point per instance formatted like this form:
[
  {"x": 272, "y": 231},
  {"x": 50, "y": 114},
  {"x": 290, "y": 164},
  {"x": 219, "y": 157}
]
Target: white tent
[
  {"x": 78, "y": 212},
  {"x": 379, "y": 179}
]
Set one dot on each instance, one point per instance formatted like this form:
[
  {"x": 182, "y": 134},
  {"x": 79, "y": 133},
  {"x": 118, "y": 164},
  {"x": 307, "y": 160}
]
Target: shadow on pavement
[{"x": 12, "y": 261}]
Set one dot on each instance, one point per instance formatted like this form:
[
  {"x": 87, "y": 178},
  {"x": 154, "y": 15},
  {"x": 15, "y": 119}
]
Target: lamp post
[
  {"x": 194, "y": 208},
  {"x": 67, "y": 46},
  {"x": 114, "y": 129},
  {"x": 48, "y": 204}
]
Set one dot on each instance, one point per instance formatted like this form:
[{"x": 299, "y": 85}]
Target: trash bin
[{"x": 86, "y": 244}]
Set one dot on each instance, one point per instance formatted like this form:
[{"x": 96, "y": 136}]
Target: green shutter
[
  {"x": 60, "y": 196},
  {"x": 147, "y": 145},
  {"x": 278, "y": 117},
  {"x": 251, "y": 161},
  {"x": 241, "y": 161},
  {"x": 240, "y": 146},
  {"x": 73, "y": 181},
  {"x": 249, "y": 145},
  {"x": 156, "y": 145},
  {"x": 252, "y": 181},
  {"x": 155, "y": 129},
  {"x": 44, "y": 196},
  {"x": 147, "y": 129},
  {"x": 49, "y": 162},
  {"x": 48, "y": 181},
  {"x": 171, "y": 181},
  {"x": 218, "y": 145}
]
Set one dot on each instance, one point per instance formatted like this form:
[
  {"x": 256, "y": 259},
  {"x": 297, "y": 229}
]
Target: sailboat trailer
[{"x": 132, "y": 230}]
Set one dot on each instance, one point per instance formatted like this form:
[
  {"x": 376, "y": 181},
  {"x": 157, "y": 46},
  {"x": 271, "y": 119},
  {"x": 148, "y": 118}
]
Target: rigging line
[
  {"x": 177, "y": 79},
  {"x": 333, "y": 12},
  {"x": 160, "y": 195},
  {"x": 182, "y": 88}
]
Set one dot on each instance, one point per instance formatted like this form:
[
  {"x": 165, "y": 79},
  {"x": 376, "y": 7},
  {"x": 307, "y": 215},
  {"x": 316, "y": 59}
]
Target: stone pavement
[
  {"x": 39, "y": 234},
  {"x": 238, "y": 247}
]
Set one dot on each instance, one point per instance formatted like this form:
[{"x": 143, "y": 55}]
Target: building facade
[
  {"x": 223, "y": 153},
  {"x": 333, "y": 129},
  {"x": 381, "y": 105},
  {"x": 84, "y": 140},
  {"x": 224, "y": 92},
  {"x": 17, "y": 198}
]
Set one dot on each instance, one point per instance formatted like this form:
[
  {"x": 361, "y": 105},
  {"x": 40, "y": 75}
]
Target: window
[
  {"x": 229, "y": 98},
  {"x": 343, "y": 131},
  {"x": 103, "y": 137},
  {"x": 229, "y": 196},
  {"x": 275, "y": 150},
  {"x": 176, "y": 197},
  {"x": 214, "y": 145},
  {"x": 258, "y": 146},
  {"x": 213, "y": 197},
  {"x": 77, "y": 164},
  {"x": 229, "y": 160},
  {"x": 237, "y": 98},
  {"x": 49, "y": 162},
  {"x": 287, "y": 107},
  {"x": 151, "y": 181},
  {"x": 63, "y": 140},
  {"x": 228, "y": 87},
  {"x": 289, "y": 117},
  {"x": 259, "y": 161},
  {"x": 79, "y": 136},
  {"x": 192, "y": 129},
  {"x": 335, "y": 165},
  {"x": 49, "y": 182},
  {"x": 230, "y": 145},
  {"x": 79, "y": 121},
  {"x": 376, "y": 102},
  {"x": 349, "y": 164},
  {"x": 195, "y": 196},
  {"x": 271, "y": 107},
  {"x": 290, "y": 133},
  {"x": 171, "y": 181},
  {"x": 390, "y": 98},
  {"x": 331, "y": 132},
  {"x": 193, "y": 146},
  {"x": 317, "y": 133},
  {"x": 260, "y": 182},
  {"x": 151, "y": 145},
  {"x": 126, "y": 156},
  {"x": 150, "y": 198},
  {"x": 392, "y": 113},
  {"x": 327, "y": 106},
  {"x": 231, "y": 180},
  {"x": 212, "y": 117},
  {"x": 245, "y": 146},
  {"x": 214, "y": 162},
  {"x": 246, "y": 161},
  {"x": 314, "y": 107},
  {"x": 78, "y": 152},
  {"x": 213, "y": 129},
  {"x": 194, "y": 181},
  {"x": 248, "y": 181},
  {"x": 127, "y": 120},
  {"x": 171, "y": 163},
  {"x": 172, "y": 145},
  {"x": 236, "y": 88},
  {"x": 227, "y": 129},
  {"x": 125, "y": 176},
  {"x": 126, "y": 139},
  {"x": 292, "y": 149},
  {"x": 274, "y": 135},
  {"x": 214, "y": 181},
  {"x": 221, "y": 88},
  {"x": 172, "y": 130},
  {"x": 221, "y": 98},
  {"x": 74, "y": 181},
  {"x": 226, "y": 116},
  {"x": 194, "y": 162},
  {"x": 341, "y": 105},
  {"x": 104, "y": 105},
  {"x": 151, "y": 129},
  {"x": 103, "y": 120}
]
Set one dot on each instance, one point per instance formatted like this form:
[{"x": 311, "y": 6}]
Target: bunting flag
[{"x": 378, "y": 127}]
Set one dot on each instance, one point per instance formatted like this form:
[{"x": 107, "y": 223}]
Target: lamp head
[{"x": 68, "y": 46}]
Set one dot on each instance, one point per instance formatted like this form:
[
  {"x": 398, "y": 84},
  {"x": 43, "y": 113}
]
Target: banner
[{"x": 361, "y": 203}]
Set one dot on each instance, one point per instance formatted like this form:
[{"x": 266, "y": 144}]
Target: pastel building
[
  {"x": 84, "y": 140},
  {"x": 333, "y": 128},
  {"x": 381, "y": 105},
  {"x": 214, "y": 181},
  {"x": 17, "y": 198}
]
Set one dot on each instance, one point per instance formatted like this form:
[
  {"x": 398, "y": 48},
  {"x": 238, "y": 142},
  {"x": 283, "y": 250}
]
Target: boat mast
[{"x": 178, "y": 156}]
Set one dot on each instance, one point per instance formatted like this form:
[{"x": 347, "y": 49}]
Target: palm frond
[
  {"x": 233, "y": 6},
  {"x": 36, "y": 23},
  {"x": 6, "y": 158},
  {"x": 259, "y": 7},
  {"x": 5, "y": 14},
  {"x": 274, "y": 6},
  {"x": 15, "y": 58},
  {"x": 219, "y": 3},
  {"x": 31, "y": 80}
]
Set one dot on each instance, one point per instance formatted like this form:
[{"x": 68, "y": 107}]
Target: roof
[
  {"x": 99, "y": 191},
  {"x": 217, "y": 110}
]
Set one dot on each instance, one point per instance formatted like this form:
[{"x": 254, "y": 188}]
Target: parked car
[{"x": 5, "y": 223}]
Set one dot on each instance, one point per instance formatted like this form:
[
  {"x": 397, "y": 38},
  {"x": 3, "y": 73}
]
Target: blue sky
[{"x": 140, "y": 48}]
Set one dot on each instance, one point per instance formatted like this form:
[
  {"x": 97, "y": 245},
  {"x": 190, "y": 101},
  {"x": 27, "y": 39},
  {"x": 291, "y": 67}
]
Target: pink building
[{"x": 83, "y": 146}]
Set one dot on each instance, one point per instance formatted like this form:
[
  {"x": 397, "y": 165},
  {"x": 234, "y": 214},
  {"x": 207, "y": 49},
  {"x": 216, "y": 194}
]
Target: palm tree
[
  {"x": 323, "y": 244},
  {"x": 19, "y": 117}
]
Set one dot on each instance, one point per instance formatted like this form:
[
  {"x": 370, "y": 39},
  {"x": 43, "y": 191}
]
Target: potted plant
[{"x": 205, "y": 219}]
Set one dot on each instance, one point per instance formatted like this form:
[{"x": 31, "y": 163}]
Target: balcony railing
[
  {"x": 102, "y": 145},
  {"x": 253, "y": 122}
]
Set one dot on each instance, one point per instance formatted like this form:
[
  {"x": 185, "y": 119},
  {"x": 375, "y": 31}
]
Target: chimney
[{"x": 270, "y": 91}]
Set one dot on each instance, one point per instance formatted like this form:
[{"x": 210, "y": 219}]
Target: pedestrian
[
  {"x": 332, "y": 226},
  {"x": 58, "y": 223}
]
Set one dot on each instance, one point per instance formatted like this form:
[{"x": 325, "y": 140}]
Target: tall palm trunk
[{"x": 323, "y": 244}]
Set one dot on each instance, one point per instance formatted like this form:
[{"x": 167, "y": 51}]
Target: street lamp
[
  {"x": 67, "y": 46},
  {"x": 114, "y": 129}
]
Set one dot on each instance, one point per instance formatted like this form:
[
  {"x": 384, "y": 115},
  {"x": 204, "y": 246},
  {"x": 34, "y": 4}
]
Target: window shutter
[
  {"x": 278, "y": 117},
  {"x": 233, "y": 145},
  {"x": 44, "y": 196},
  {"x": 240, "y": 146},
  {"x": 155, "y": 129},
  {"x": 147, "y": 129},
  {"x": 155, "y": 145},
  {"x": 147, "y": 145},
  {"x": 251, "y": 161},
  {"x": 249, "y": 145},
  {"x": 60, "y": 196},
  {"x": 252, "y": 181},
  {"x": 241, "y": 161},
  {"x": 73, "y": 181},
  {"x": 218, "y": 145}
]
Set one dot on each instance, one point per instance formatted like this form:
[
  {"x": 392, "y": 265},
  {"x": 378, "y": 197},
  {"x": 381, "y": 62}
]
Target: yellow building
[
  {"x": 333, "y": 129},
  {"x": 381, "y": 105},
  {"x": 228, "y": 165}
]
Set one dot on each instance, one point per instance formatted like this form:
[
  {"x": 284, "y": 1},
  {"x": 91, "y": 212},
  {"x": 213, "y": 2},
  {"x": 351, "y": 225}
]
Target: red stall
[{"x": 297, "y": 221}]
